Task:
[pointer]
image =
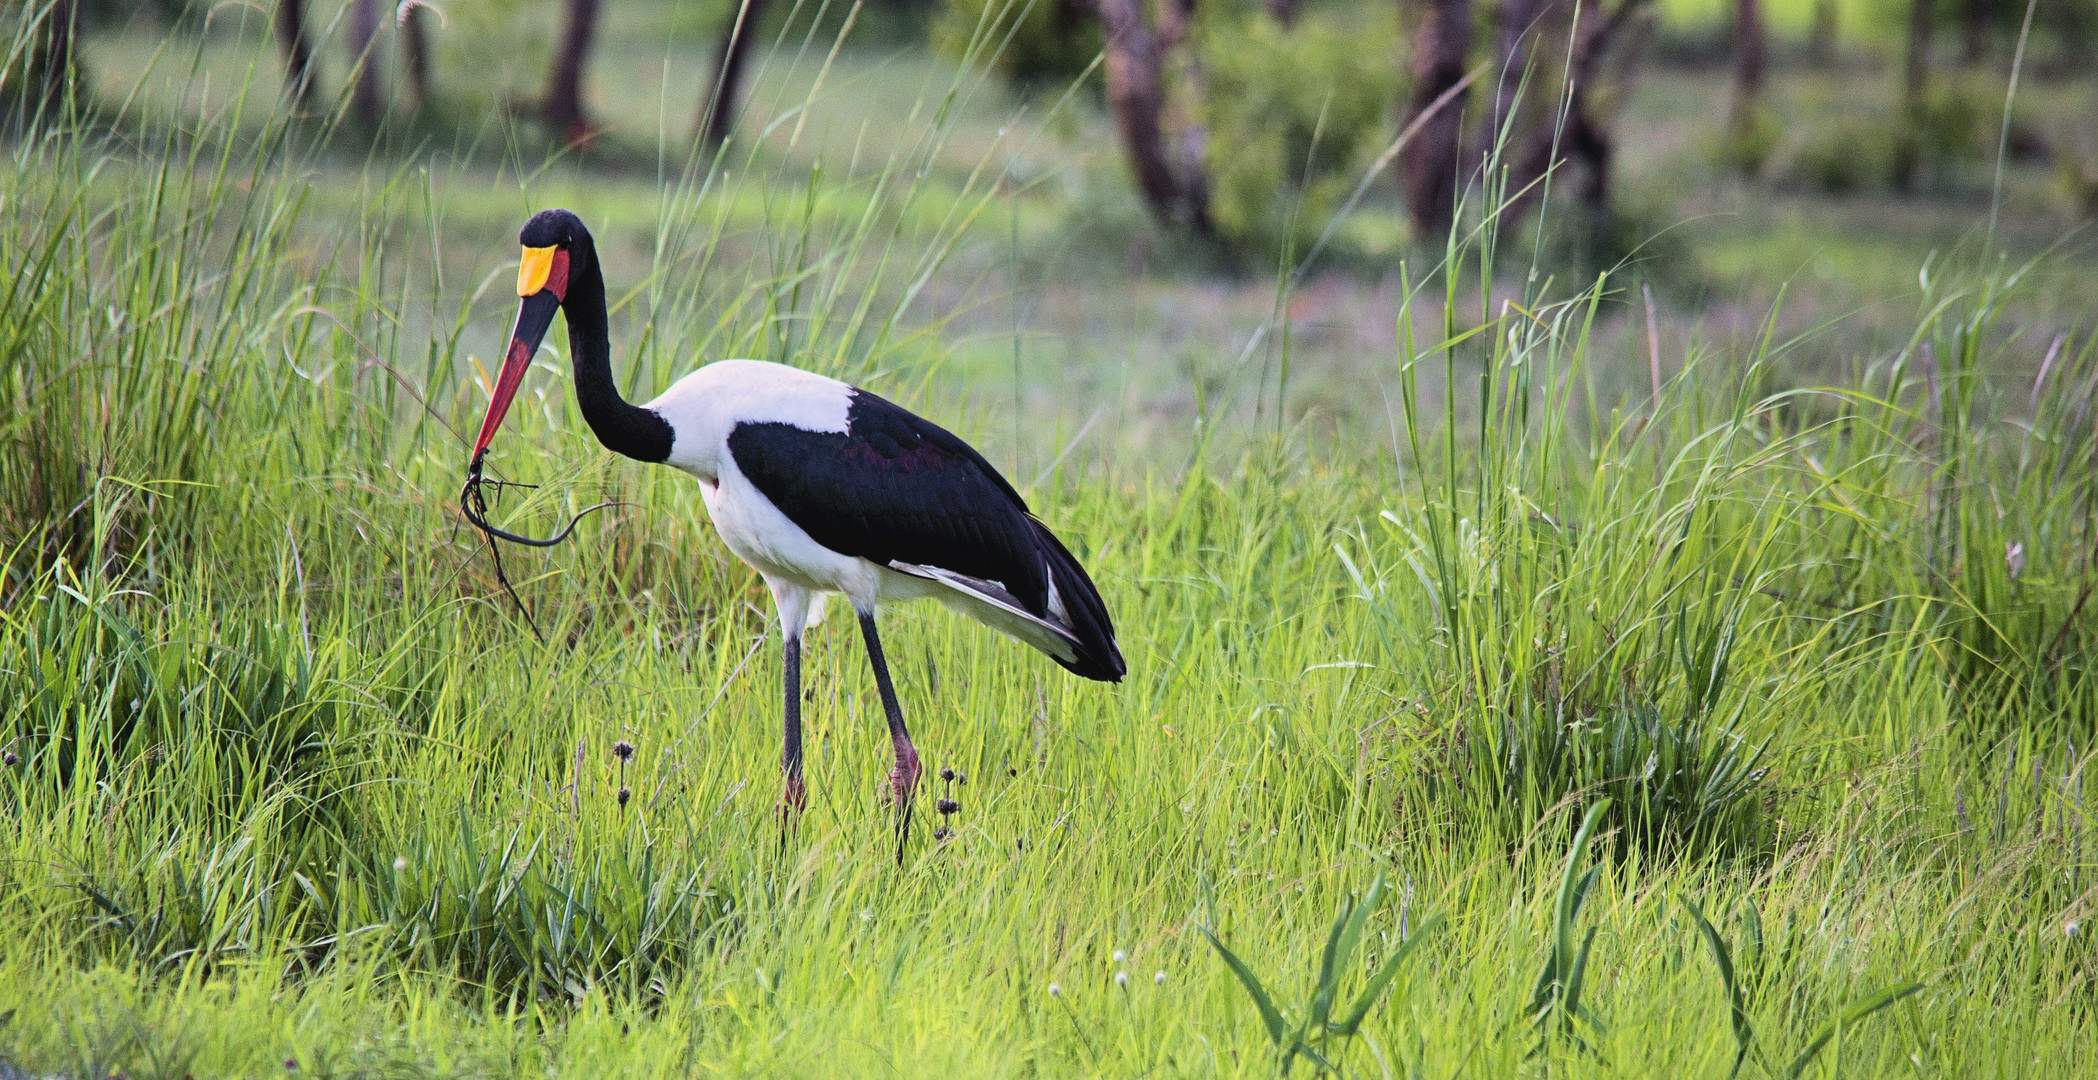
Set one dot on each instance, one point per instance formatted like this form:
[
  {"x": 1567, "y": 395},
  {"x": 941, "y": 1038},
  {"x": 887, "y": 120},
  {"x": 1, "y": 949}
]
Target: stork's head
[{"x": 550, "y": 239}]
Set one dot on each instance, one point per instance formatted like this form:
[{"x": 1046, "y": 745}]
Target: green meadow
[{"x": 1671, "y": 669}]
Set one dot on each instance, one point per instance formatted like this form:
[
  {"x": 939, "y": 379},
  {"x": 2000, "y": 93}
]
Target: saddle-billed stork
[{"x": 819, "y": 486}]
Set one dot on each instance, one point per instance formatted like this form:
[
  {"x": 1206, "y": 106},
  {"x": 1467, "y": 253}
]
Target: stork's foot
[
  {"x": 903, "y": 785},
  {"x": 903, "y": 777}
]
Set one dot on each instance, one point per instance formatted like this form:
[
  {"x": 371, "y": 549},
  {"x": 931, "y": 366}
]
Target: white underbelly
[{"x": 757, "y": 533}]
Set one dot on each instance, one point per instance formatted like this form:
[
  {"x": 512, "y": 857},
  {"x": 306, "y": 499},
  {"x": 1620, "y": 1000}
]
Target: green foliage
[
  {"x": 1847, "y": 156},
  {"x": 1040, "y": 44},
  {"x": 1290, "y": 117},
  {"x": 1316, "y": 1033},
  {"x": 2076, "y": 178},
  {"x": 1954, "y": 130},
  {"x": 1747, "y": 147}
]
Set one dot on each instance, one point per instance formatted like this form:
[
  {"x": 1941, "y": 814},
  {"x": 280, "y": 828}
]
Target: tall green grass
[{"x": 288, "y": 782}]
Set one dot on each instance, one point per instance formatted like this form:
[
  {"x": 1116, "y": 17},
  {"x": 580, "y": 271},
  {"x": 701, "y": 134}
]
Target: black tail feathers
[{"x": 1084, "y": 612}]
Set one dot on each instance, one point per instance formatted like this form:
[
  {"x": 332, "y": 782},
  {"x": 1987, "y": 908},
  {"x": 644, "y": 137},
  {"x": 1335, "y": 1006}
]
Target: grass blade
[
  {"x": 1737, "y": 1002},
  {"x": 1381, "y": 978},
  {"x": 1858, "y": 1010},
  {"x": 1269, "y": 1016}
]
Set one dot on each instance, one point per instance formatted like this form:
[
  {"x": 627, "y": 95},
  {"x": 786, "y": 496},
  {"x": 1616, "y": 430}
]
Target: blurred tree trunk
[
  {"x": 1136, "y": 98},
  {"x": 1749, "y": 53},
  {"x": 1282, "y": 11},
  {"x": 563, "y": 108},
  {"x": 718, "y": 111},
  {"x": 415, "y": 50},
  {"x": 1821, "y": 39},
  {"x": 363, "y": 42},
  {"x": 1521, "y": 24},
  {"x": 298, "y": 51},
  {"x": 59, "y": 50},
  {"x": 1974, "y": 31},
  {"x": 1441, "y": 47},
  {"x": 1583, "y": 139},
  {"x": 1175, "y": 19},
  {"x": 1915, "y": 91}
]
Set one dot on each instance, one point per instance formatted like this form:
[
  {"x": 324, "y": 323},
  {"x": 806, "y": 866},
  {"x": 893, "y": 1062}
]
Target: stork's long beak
[{"x": 542, "y": 283}]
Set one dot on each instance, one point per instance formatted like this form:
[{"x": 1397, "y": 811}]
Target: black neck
[{"x": 626, "y": 429}]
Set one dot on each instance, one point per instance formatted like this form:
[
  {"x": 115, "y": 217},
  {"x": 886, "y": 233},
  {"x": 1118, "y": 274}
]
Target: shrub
[
  {"x": 1054, "y": 41},
  {"x": 1850, "y": 156},
  {"x": 1290, "y": 117},
  {"x": 1747, "y": 148},
  {"x": 1674, "y": 783}
]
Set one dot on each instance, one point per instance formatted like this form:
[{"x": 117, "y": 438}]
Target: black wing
[{"x": 894, "y": 487}]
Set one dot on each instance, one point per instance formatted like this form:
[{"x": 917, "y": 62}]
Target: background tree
[
  {"x": 1915, "y": 96},
  {"x": 1975, "y": 16},
  {"x": 1821, "y": 38},
  {"x": 363, "y": 41},
  {"x": 563, "y": 109},
  {"x": 1583, "y": 137},
  {"x": 415, "y": 49},
  {"x": 1136, "y": 96},
  {"x": 1522, "y": 23},
  {"x": 1749, "y": 47},
  {"x": 53, "y": 55},
  {"x": 1751, "y": 134},
  {"x": 1431, "y": 173},
  {"x": 719, "y": 109},
  {"x": 290, "y": 25}
]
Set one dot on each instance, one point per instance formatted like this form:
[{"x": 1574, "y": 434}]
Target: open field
[{"x": 1794, "y": 597}]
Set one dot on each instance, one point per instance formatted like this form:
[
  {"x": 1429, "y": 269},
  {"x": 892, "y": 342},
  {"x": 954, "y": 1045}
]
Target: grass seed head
[
  {"x": 625, "y": 793},
  {"x": 947, "y": 806},
  {"x": 623, "y": 750},
  {"x": 9, "y": 759},
  {"x": 947, "y": 774}
]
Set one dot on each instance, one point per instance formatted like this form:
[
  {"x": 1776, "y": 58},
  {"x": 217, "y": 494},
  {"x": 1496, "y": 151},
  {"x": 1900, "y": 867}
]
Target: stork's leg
[
  {"x": 793, "y": 603},
  {"x": 903, "y": 778},
  {"x": 796, "y": 796}
]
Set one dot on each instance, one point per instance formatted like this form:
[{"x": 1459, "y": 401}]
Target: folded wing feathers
[{"x": 988, "y": 592}]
